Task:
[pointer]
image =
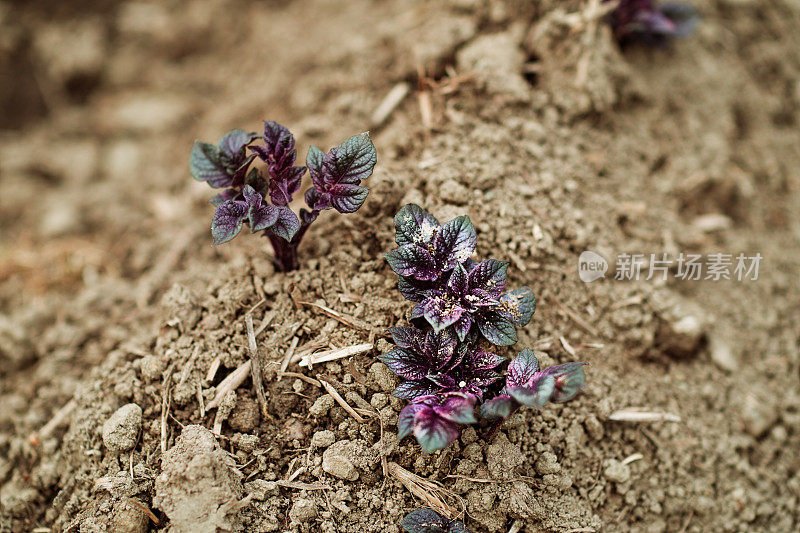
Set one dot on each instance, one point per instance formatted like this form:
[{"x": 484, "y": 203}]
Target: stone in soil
[
  {"x": 197, "y": 480},
  {"x": 122, "y": 428}
]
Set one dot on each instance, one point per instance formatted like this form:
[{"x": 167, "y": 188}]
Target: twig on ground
[
  {"x": 567, "y": 346},
  {"x": 231, "y": 382},
  {"x": 631, "y": 458},
  {"x": 296, "y": 473},
  {"x": 255, "y": 366},
  {"x": 302, "y": 486},
  {"x": 289, "y": 354},
  {"x": 60, "y": 417},
  {"x": 332, "y": 355},
  {"x": 576, "y": 318},
  {"x": 266, "y": 321},
  {"x": 432, "y": 493},
  {"x": 212, "y": 370},
  {"x": 637, "y": 414},
  {"x": 201, "y": 400},
  {"x": 347, "y": 320},
  {"x": 389, "y": 103},
  {"x": 189, "y": 366},
  {"x": 341, "y": 401},
  {"x": 303, "y": 377},
  {"x": 144, "y": 509}
]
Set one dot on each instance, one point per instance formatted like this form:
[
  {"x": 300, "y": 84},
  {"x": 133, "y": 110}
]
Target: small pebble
[
  {"x": 323, "y": 439},
  {"x": 151, "y": 367},
  {"x": 594, "y": 428},
  {"x": 245, "y": 416},
  {"x": 547, "y": 463},
  {"x": 338, "y": 466},
  {"x": 122, "y": 428},
  {"x": 617, "y": 472},
  {"x": 321, "y": 406},
  {"x": 303, "y": 510},
  {"x": 379, "y": 400},
  {"x": 383, "y": 377},
  {"x": 261, "y": 489}
]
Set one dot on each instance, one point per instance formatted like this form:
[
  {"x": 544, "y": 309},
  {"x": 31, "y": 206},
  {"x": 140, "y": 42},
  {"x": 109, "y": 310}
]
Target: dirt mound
[{"x": 127, "y": 400}]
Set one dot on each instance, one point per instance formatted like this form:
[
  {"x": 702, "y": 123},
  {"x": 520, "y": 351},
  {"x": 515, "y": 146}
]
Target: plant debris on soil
[{"x": 129, "y": 346}]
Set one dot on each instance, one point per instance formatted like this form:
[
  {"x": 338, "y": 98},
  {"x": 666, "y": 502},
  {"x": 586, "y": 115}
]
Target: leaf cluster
[
  {"x": 462, "y": 308},
  {"x": 259, "y": 198}
]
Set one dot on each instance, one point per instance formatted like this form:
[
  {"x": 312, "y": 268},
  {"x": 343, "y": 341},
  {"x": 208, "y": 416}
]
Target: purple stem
[{"x": 285, "y": 252}]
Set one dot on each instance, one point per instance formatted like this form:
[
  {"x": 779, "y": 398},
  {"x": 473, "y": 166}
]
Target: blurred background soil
[{"x": 119, "y": 321}]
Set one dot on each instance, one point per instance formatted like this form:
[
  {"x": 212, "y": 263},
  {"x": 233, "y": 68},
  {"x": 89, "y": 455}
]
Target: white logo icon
[{"x": 591, "y": 266}]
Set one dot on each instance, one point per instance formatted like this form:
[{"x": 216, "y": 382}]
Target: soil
[{"x": 527, "y": 118}]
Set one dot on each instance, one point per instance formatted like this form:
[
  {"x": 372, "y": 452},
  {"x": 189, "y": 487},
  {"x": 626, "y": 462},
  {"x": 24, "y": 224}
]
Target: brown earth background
[{"x": 522, "y": 114}]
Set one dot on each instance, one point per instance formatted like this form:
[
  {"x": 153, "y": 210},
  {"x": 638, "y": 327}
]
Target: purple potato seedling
[
  {"x": 460, "y": 304},
  {"x": 261, "y": 199},
  {"x": 451, "y": 290}
]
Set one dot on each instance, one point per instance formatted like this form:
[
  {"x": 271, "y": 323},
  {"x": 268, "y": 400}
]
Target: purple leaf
[
  {"x": 227, "y": 222},
  {"x": 480, "y": 360},
  {"x": 429, "y": 521},
  {"x": 432, "y": 431},
  {"x": 408, "y": 390},
  {"x": 234, "y": 143},
  {"x": 284, "y": 184},
  {"x": 259, "y": 216},
  {"x": 458, "y": 284},
  {"x": 463, "y": 326},
  {"x": 496, "y": 328},
  {"x": 224, "y": 165},
  {"x": 569, "y": 380},
  {"x": 489, "y": 276},
  {"x": 518, "y": 305},
  {"x": 413, "y": 289},
  {"x": 406, "y": 364},
  {"x": 414, "y": 225},
  {"x": 337, "y": 175},
  {"x": 405, "y": 421},
  {"x": 645, "y": 22},
  {"x": 459, "y": 408},
  {"x": 347, "y": 198},
  {"x": 443, "y": 382},
  {"x": 499, "y": 407},
  {"x": 536, "y": 394},
  {"x": 454, "y": 242},
  {"x": 522, "y": 369},
  {"x": 208, "y": 164},
  {"x": 279, "y": 154},
  {"x": 413, "y": 261},
  {"x": 440, "y": 312},
  {"x": 408, "y": 337},
  {"x": 286, "y": 224},
  {"x": 263, "y": 217},
  {"x": 314, "y": 161},
  {"x": 425, "y": 521}
]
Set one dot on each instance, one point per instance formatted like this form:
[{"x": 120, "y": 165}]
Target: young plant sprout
[
  {"x": 446, "y": 371},
  {"x": 260, "y": 199},
  {"x": 649, "y": 22},
  {"x": 429, "y": 521}
]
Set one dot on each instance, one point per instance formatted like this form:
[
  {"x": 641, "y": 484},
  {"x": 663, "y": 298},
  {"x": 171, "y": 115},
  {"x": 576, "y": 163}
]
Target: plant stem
[
  {"x": 285, "y": 252},
  {"x": 494, "y": 429}
]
